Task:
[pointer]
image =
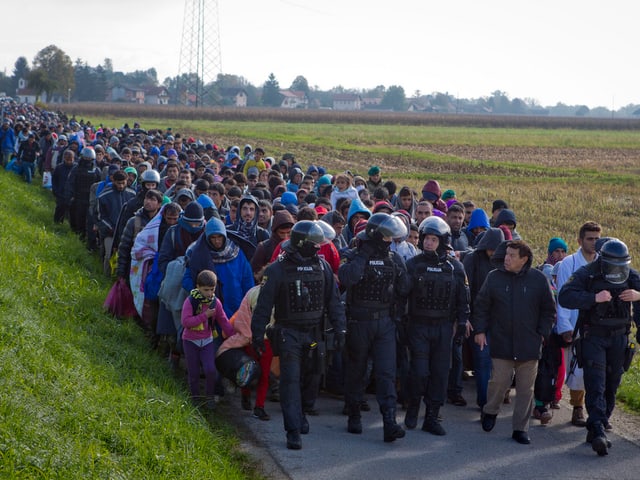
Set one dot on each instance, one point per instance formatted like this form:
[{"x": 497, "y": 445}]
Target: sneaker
[
  {"x": 246, "y": 402},
  {"x": 364, "y": 406},
  {"x": 555, "y": 405},
  {"x": 311, "y": 412},
  {"x": 607, "y": 426},
  {"x": 457, "y": 400},
  {"x": 260, "y": 414},
  {"x": 543, "y": 415},
  {"x": 577, "y": 417}
]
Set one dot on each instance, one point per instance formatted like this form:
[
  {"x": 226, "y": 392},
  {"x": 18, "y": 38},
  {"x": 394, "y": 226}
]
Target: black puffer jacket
[{"x": 517, "y": 310}]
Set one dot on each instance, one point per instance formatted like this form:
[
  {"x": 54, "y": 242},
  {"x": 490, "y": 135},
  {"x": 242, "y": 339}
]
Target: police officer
[
  {"x": 302, "y": 287},
  {"x": 603, "y": 291},
  {"x": 372, "y": 277},
  {"x": 438, "y": 296}
]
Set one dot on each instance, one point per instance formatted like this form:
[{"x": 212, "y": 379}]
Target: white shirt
[{"x": 566, "y": 319}]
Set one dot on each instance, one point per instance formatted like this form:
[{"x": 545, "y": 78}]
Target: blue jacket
[
  {"x": 7, "y": 139},
  {"x": 235, "y": 277}
]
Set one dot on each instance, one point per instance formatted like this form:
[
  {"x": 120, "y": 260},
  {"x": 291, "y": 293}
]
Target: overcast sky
[{"x": 570, "y": 51}]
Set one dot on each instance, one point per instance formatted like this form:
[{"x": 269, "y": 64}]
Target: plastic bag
[
  {"x": 119, "y": 301},
  {"x": 153, "y": 280},
  {"x": 46, "y": 179}
]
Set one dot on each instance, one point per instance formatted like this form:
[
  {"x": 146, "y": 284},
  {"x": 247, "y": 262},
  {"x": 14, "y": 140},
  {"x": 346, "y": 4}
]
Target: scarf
[{"x": 199, "y": 304}]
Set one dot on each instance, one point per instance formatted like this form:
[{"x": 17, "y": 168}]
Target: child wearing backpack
[{"x": 202, "y": 312}]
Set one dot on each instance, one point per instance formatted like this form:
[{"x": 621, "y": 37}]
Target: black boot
[
  {"x": 432, "y": 422},
  {"x": 599, "y": 442},
  {"x": 411, "y": 417},
  {"x": 294, "y": 442},
  {"x": 392, "y": 431},
  {"x": 354, "y": 424}
]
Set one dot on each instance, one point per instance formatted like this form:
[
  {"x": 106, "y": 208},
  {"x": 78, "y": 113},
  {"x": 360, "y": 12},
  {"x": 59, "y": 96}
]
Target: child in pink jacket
[{"x": 203, "y": 319}]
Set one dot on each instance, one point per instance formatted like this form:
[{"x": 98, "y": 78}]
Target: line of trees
[{"x": 53, "y": 74}]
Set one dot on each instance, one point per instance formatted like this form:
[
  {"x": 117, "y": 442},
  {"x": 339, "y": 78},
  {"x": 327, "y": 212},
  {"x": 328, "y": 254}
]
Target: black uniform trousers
[
  {"x": 376, "y": 337},
  {"x": 299, "y": 380},
  {"x": 603, "y": 360},
  {"x": 430, "y": 347}
]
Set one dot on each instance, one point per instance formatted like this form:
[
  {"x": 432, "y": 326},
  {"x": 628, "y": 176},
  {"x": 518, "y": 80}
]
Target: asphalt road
[{"x": 557, "y": 450}]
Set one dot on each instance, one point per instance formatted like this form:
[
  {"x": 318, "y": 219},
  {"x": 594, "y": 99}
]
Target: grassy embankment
[{"x": 81, "y": 394}]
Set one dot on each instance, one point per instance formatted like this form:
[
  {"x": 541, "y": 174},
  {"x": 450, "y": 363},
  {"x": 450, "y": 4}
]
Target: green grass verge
[{"x": 81, "y": 394}]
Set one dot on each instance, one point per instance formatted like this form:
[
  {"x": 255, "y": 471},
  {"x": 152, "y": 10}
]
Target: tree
[
  {"x": 52, "y": 72},
  {"x": 394, "y": 98},
  {"x": 271, "y": 96},
  {"x": 300, "y": 84},
  {"x": 20, "y": 70},
  {"x": 582, "y": 111}
]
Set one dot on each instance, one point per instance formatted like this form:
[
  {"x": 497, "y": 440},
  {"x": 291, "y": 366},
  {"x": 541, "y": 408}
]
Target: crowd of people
[{"x": 288, "y": 279}]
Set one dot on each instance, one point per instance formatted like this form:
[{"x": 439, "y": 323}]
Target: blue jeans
[
  {"x": 28, "y": 169},
  {"x": 455, "y": 372},
  {"x": 481, "y": 370},
  {"x": 6, "y": 157}
]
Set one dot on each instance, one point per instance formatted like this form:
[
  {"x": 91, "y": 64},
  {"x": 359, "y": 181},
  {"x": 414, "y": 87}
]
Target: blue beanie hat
[
  {"x": 557, "y": 242},
  {"x": 215, "y": 226},
  {"x": 324, "y": 179},
  {"x": 288, "y": 198}
]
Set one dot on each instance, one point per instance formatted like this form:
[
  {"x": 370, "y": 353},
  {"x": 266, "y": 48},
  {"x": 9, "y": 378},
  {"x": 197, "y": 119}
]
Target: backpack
[{"x": 171, "y": 292}]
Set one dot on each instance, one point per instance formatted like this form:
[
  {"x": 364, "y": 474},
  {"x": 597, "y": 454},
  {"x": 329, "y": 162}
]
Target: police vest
[
  {"x": 376, "y": 288},
  {"x": 300, "y": 302},
  {"x": 613, "y": 314},
  {"x": 433, "y": 291}
]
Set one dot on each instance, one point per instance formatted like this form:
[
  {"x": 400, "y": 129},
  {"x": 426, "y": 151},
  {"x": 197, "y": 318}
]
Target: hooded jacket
[
  {"x": 250, "y": 232},
  {"x": 518, "y": 310},
  {"x": 477, "y": 264},
  {"x": 479, "y": 218},
  {"x": 507, "y": 216},
  {"x": 356, "y": 207},
  {"x": 265, "y": 249},
  {"x": 229, "y": 264}
]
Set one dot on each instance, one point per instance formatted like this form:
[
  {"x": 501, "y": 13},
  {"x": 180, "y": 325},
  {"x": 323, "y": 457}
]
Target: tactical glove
[{"x": 461, "y": 332}]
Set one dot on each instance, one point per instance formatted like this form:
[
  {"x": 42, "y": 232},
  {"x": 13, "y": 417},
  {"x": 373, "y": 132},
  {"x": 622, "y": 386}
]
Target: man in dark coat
[{"x": 515, "y": 307}]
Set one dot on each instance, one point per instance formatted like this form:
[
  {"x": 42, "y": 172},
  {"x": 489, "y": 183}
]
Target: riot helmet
[
  {"x": 615, "y": 261},
  {"x": 436, "y": 226},
  {"x": 88, "y": 153},
  {"x": 150, "y": 176},
  {"x": 381, "y": 225},
  {"x": 306, "y": 237},
  {"x": 601, "y": 241}
]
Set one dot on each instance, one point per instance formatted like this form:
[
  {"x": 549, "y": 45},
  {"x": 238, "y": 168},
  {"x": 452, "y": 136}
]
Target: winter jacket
[
  {"x": 517, "y": 310},
  {"x": 234, "y": 273},
  {"x": 59, "y": 178},
  {"x": 134, "y": 226},
  {"x": 110, "y": 204}
]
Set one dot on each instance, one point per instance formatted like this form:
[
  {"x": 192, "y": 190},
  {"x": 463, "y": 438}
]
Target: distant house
[
  {"x": 234, "y": 96},
  {"x": 156, "y": 96},
  {"x": 293, "y": 99},
  {"x": 26, "y": 94},
  {"x": 371, "y": 102},
  {"x": 347, "y": 101},
  {"x": 123, "y": 93}
]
